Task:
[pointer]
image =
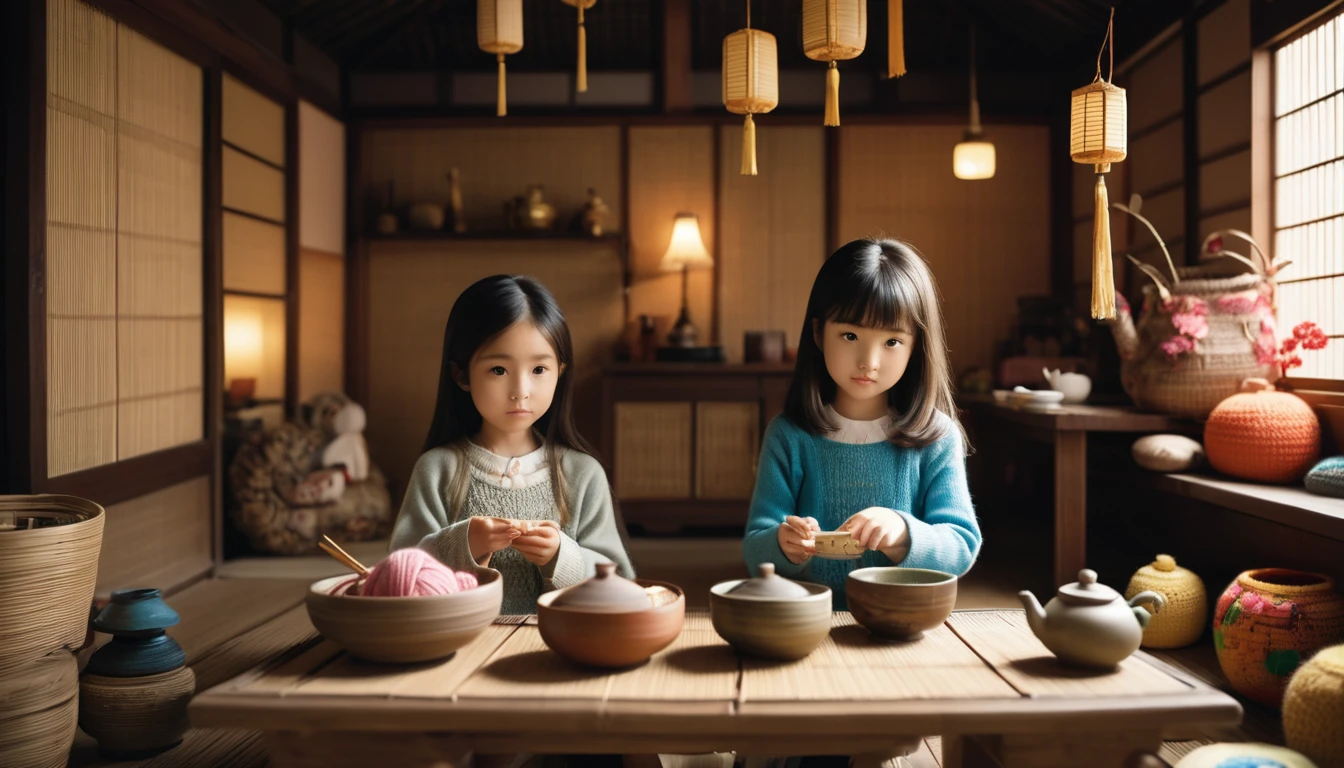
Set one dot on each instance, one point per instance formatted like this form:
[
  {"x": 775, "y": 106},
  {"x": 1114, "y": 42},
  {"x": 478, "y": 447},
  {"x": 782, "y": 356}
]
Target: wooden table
[
  {"x": 1066, "y": 429},
  {"x": 982, "y": 681}
]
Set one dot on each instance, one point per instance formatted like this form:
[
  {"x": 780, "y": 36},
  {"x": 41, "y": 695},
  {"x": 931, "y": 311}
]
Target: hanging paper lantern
[
  {"x": 895, "y": 39},
  {"x": 834, "y": 30},
  {"x": 581, "y": 79},
  {"x": 1099, "y": 134},
  {"x": 499, "y": 30},
  {"x": 750, "y": 82}
]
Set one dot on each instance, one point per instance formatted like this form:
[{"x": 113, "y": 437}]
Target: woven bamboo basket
[
  {"x": 1192, "y": 383},
  {"x": 48, "y": 568},
  {"x": 38, "y": 712}
]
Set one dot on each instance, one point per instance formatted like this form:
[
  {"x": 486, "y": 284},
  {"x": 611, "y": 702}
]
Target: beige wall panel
[
  {"x": 654, "y": 443},
  {"x": 82, "y": 66},
  {"x": 1225, "y": 182},
  {"x": 322, "y": 180},
  {"x": 160, "y": 92},
  {"x": 773, "y": 231},
  {"x": 253, "y": 122},
  {"x": 495, "y": 165},
  {"x": 727, "y": 440},
  {"x": 987, "y": 242},
  {"x": 254, "y": 255},
  {"x": 1224, "y": 39},
  {"x": 1153, "y": 89},
  {"x": 321, "y": 323},
  {"x": 412, "y": 286},
  {"x": 1225, "y": 115},
  {"x": 253, "y": 187},
  {"x": 671, "y": 171},
  {"x": 160, "y": 374},
  {"x": 81, "y": 393},
  {"x": 160, "y": 540},
  {"x": 1157, "y": 158}
]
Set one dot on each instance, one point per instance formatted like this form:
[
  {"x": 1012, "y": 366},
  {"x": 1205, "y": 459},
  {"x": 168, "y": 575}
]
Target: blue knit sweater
[{"x": 810, "y": 475}]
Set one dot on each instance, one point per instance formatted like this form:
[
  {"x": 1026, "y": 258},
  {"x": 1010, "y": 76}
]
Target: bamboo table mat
[{"x": 980, "y": 669}]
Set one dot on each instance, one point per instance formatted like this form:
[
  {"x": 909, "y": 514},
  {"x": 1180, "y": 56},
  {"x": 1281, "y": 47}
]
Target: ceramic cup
[{"x": 900, "y": 603}]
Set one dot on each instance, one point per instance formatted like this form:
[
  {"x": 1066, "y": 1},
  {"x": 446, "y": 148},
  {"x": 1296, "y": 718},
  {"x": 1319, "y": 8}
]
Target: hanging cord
[
  {"x": 975, "y": 102},
  {"x": 1109, "y": 39}
]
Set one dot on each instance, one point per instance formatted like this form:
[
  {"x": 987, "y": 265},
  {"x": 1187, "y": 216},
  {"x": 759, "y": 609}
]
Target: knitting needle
[{"x": 334, "y": 549}]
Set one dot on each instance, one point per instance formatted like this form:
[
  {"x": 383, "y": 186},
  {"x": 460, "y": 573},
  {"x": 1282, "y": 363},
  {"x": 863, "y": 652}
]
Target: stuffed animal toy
[{"x": 348, "y": 449}]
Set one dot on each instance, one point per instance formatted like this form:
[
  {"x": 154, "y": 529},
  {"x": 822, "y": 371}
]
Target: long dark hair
[
  {"x": 484, "y": 310},
  {"x": 877, "y": 284}
]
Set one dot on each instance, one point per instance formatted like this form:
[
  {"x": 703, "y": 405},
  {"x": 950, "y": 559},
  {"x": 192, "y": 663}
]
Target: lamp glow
[{"x": 973, "y": 159}]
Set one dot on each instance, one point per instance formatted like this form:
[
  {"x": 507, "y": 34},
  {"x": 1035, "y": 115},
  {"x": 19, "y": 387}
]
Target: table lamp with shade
[{"x": 685, "y": 252}]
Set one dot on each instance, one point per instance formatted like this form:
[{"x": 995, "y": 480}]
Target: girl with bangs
[{"x": 869, "y": 440}]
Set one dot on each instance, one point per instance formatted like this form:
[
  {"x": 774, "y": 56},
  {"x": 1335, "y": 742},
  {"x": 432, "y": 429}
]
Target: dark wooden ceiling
[{"x": 1013, "y": 35}]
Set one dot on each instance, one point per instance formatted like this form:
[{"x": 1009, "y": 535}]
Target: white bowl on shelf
[{"x": 1036, "y": 400}]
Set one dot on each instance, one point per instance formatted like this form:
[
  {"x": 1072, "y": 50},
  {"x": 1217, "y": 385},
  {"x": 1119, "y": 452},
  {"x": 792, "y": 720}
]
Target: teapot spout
[
  {"x": 1035, "y": 613},
  {"x": 1150, "y": 598},
  {"x": 1122, "y": 327}
]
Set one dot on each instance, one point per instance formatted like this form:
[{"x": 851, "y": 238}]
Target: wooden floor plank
[{"x": 253, "y": 648}]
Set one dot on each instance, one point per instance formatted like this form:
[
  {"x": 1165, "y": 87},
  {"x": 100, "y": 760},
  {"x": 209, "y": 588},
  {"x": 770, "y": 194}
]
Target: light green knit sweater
[{"x": 589, "y": 537}]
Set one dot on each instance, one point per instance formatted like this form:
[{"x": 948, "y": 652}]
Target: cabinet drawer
[
  {"x": 727, "y": 438},
  {"x": 652, "y": 450}
]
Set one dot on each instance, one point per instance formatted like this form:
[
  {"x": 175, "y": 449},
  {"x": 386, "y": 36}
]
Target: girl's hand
[
  {"x": 540, "y": 543},
  {"x": 880, "y": 529},
  {"x": 488, "y": 535},
  {"x": 796, "y": 538}
]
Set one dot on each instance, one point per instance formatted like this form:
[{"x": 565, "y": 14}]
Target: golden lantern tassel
[
  {"x": 832, "y": 96},
  {"x": 582, "y": 79},
  {"x": 500, "y": 109},
  {"x": 895, "y": 39},
  {"x": 749, "y": 147},
  {"x": 1103, "y": 276}
]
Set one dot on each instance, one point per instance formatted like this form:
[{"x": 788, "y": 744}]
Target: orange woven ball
[{"x": 1267, "y": 436}]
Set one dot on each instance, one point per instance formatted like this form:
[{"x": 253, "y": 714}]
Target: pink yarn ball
[{"x": 413, "y": 572}]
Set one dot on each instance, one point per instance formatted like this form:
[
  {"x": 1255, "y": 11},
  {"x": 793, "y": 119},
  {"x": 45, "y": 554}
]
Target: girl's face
[
  {"x": 864, "y": 362},
  {"x": 512, "y": 378}
]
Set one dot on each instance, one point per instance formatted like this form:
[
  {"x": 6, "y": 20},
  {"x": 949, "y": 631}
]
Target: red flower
[
  {"x": 1216, "y": 245},
  {"x": 1190, "y": 324},
  {"x": 1289, "y": 344},
  {"x": 1177, "y": 345}
]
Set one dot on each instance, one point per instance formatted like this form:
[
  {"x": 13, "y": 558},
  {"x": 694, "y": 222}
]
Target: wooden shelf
[
  {"x": 1292, "y": 506},
  {"x": 521, "y": 234}
]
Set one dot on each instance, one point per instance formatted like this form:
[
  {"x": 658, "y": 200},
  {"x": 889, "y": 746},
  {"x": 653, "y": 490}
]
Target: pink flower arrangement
[
  {"x": 1306, "y": 335},
  {"x": 1178, "y": 345},
  {"x": 1238, "y": 303},
  {"x": 1190, "y": 318}
]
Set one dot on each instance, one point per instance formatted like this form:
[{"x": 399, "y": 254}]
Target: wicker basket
[
  {"x": 38, "y": 712},
  {"x": 48, "y": 569},
  {"x": 1192, "y": 383}
]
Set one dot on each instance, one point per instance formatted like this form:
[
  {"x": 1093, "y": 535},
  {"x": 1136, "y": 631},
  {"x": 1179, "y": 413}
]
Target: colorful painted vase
[
  {"x": 134, "y": 692},
  {"x": 1184, "y": 617},
  {"x": 1313, "y": 708},
  {"x": 1244, "y": 755},
  {"x": 1267, "y": 622}
]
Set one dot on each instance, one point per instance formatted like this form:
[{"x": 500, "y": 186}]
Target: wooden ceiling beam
[
  {"x": 411, "y": 21},
  {"x": 676, "y": 59}
]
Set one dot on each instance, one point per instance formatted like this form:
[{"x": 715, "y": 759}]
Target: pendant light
[
  {"x": 973, "y": 158},
  {"x": 499, "y": 30},
  {"x": 581, "y": 78},
  {"x": 834, "y": 30},
  {"x": 1098, "y": 137},
  {"x": 750, "y": 82}
]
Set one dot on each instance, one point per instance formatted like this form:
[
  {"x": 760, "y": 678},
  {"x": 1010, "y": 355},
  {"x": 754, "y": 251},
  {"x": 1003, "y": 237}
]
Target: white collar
[
  {"x": 859, "y": 432},
  {"x": 509, "y": 472}
]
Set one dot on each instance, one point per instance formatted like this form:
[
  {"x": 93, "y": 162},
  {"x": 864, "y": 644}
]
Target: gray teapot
[{"x": 1089, "y": 624}]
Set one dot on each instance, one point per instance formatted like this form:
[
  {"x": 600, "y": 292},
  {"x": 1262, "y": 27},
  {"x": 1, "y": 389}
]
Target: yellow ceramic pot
[
  {"x": 1181, "y": 621},
  {"x": 1313, "y": 708}
]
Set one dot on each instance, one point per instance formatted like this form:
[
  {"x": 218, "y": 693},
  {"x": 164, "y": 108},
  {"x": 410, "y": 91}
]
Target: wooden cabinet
[{"x": 682, "y": 439}]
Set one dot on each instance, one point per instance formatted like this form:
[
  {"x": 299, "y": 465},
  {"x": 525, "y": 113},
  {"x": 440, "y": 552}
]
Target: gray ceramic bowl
[
  {"x": 402, "y": 630},
  {"x": 771, "y": 628},
  {"x": 900, "y": 603}
]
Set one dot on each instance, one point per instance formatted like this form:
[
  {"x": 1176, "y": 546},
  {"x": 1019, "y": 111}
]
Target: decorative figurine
[{"x": 592, "y": 217}]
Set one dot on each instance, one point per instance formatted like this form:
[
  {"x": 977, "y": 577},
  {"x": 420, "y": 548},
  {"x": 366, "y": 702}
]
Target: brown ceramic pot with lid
[
  {"x": 611, "y": 621},
  {"x": 770, "y": 616}
]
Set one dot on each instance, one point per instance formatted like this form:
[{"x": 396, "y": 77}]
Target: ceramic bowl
[
  {"x": 613, "y": 639},
  {"x": 404, "y": 630},
  {"x": 900, "y": 603},
  {"x": 1074, "y": 386},
  {"x": 838, "y": 545},
  {"x": 1038, "y": 399},
  {"x": 771, "y": 628}
]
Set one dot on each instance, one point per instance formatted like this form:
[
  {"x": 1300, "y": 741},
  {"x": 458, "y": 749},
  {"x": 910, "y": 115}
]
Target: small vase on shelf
[{"x": 133, "y": 695}]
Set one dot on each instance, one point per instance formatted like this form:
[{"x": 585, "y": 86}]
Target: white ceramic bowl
[
  {"x": 1075, "y": 386},
  {"x": 1038, "y": 398}
]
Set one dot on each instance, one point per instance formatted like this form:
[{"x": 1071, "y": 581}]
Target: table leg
[
  {"x": 288, "y": 749},
  {"x": 1070, "y": 505},
  {"x": 965, "y": 752}
]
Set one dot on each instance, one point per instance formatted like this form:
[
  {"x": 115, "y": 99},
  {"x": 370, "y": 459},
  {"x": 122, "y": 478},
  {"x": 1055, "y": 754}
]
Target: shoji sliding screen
[{"x": 125, "y": 337}]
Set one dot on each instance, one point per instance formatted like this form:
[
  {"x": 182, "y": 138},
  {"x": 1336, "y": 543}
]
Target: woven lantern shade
[
  {"x": 834, "y": 30},
  {"x": 750, "y": 82},
  {"x": 1098, "y": 136},
  {"x": 581, "y": 79},
  {"x": 499, "y": 30}
]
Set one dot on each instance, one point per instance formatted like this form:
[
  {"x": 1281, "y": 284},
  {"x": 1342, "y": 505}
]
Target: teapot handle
[{"x": 1155, "y": 599}]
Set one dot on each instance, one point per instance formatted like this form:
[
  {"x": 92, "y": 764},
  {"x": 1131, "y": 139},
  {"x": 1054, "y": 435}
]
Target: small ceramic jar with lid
[
  {"x": 611, "y": 621},
  {"x": 770, "y": 616},
  {"x": 1186, "y": 612}
]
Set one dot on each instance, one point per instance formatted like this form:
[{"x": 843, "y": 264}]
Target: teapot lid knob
[
  {"x": 1165, "y": 563},
  {"x": 1087, "y": 590},
  {"x": 1087, "y": 577}
]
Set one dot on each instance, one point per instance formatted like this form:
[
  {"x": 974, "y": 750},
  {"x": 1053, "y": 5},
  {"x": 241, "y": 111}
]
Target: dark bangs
[{"x": 871, "y": 296}]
